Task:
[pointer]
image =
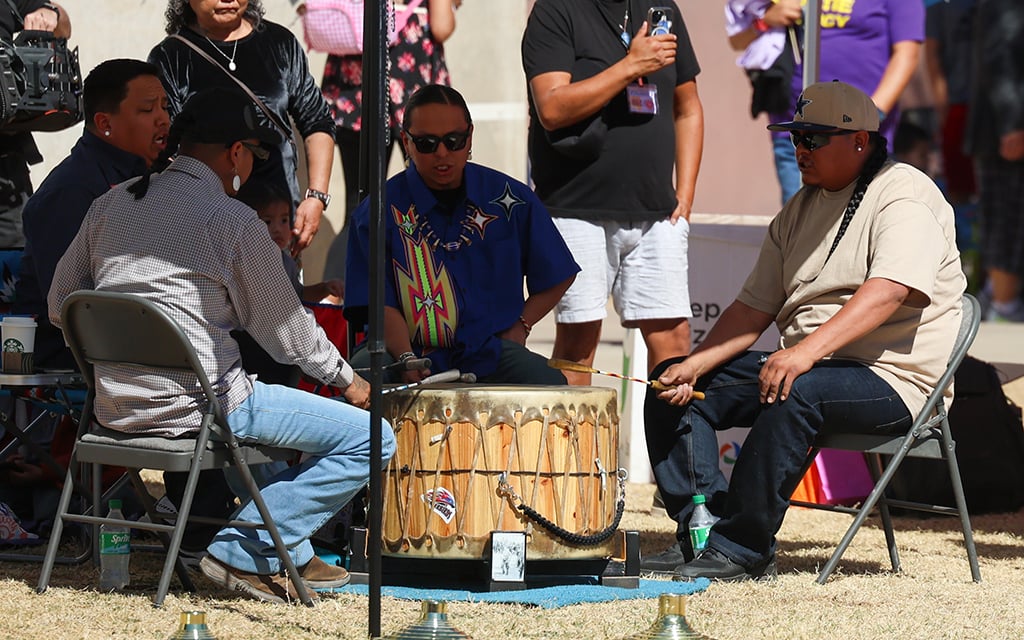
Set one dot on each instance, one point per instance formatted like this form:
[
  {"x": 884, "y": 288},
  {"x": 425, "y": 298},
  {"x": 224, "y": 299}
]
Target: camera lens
[{"x": 657, "y": 16}]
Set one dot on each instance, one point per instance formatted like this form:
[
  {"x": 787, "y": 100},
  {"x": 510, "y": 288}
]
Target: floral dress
[{"x": 416, "y": 60}]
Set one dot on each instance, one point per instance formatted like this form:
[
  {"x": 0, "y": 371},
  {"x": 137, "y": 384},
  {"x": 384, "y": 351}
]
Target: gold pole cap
[
  {"x": 433, "y": 606},
  {"x": 672, "y": 604}
]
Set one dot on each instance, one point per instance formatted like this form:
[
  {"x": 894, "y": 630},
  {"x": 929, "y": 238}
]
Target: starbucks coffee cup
[{"x": 18, "y": 339}]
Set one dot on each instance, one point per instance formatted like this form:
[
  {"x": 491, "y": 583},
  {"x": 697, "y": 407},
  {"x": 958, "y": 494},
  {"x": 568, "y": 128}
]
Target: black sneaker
[
  {"x": 715, "y": 565},
  {"x": 664, "y": 563}
]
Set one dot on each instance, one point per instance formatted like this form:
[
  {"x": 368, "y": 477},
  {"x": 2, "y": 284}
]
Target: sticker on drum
[{"x": 443, "y": 503}]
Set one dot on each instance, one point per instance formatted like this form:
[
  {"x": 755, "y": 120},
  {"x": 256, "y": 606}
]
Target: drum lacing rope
[{"x": 505, "y": 489}]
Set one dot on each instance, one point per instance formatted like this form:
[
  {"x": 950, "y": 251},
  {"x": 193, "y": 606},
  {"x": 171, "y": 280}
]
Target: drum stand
[{"x": 622, "y": 570}]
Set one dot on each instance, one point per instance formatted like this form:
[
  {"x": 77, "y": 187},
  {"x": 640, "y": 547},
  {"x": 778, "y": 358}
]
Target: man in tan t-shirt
[{"x": 861, "y": 274}]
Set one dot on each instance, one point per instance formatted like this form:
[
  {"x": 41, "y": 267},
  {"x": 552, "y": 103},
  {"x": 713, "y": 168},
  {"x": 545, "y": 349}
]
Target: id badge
[{"x": 642, "y": 98}]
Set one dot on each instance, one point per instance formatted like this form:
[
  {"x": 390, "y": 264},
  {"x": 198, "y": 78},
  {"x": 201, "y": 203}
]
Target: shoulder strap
[
  {"x": 274, "y": 119},
  {"x": 403, "y": 18},
  {"x": 15, "y": 12}
]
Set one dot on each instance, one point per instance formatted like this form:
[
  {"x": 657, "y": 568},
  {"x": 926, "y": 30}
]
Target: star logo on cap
[{"x": 800, "y": 104}]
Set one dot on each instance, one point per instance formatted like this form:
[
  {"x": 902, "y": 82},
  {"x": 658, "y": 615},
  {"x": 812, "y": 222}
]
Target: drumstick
[
  {"x": 657, "y": 385},
  {"x": 445, "y": 376},
  {"x": 405, "y": 365}
]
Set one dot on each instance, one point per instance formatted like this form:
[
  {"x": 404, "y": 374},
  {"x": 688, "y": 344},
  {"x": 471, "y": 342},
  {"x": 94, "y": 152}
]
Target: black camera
[{"x": 40, "y": 83}]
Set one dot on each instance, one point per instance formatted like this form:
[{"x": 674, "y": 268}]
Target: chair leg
[
  {"x": 862, "y": 515},
  {"x": 96, "y": 479},
  {"x": 58, "y": 527},
  {"x": 275, "y": 535},
  {"x": 961, "y": 504},
  {"x": 174, "y": 546},
  {"x": 875, "y": 464},
  {"x": 150, "y": 505}
]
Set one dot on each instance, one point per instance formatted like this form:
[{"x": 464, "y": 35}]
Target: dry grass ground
[{"x": 932, "y": 598}]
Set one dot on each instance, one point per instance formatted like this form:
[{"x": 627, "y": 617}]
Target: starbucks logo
[{"x": 13, "y": 346}]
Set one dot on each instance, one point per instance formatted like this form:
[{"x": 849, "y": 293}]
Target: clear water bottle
[
  {"x": 115, "y": 547},
  {"x": 700, "y": 523}
]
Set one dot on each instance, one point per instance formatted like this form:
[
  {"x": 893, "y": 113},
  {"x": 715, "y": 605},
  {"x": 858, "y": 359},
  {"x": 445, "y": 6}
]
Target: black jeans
[{"x": 837, "y": 395}]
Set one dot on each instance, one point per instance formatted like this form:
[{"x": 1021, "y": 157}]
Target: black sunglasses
[
  {"x": 428, "y": 144},
  {"x": 814, "y": 141},
  {"x": 257, "y": 151}
]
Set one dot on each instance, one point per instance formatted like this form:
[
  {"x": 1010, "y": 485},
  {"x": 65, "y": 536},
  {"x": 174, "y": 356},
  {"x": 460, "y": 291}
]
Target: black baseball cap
[{"x": 221, "y": 115}]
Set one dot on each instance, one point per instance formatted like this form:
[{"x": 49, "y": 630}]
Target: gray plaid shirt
[{"x": 208, "y": 261}]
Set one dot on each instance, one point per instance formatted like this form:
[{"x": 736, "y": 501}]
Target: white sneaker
[{"x": 1015, "y": 313}]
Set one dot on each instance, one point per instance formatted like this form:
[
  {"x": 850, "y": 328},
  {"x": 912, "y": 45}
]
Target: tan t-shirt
[{"x": 902, "y": 231}]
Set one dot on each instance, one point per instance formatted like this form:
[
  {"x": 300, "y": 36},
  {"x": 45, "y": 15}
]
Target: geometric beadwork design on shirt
[{"x": 425, "y": 289}]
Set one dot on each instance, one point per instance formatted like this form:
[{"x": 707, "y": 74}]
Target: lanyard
[{"x": 622, "y": 29}]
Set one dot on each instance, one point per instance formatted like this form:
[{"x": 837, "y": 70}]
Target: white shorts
[{"x": 642, "y": 265}]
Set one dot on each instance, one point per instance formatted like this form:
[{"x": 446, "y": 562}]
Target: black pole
[{"x": 373, "y": 147}]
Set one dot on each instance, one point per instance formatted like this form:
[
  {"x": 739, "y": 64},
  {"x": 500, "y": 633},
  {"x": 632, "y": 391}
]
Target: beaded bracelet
[{"x": 526, "y": 325}]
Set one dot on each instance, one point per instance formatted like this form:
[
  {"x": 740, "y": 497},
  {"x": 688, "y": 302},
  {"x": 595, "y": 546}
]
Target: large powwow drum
[{"x": 475, "y": 459}]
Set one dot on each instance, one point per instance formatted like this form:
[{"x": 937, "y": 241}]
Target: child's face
[{"x": 277, "y": 215}]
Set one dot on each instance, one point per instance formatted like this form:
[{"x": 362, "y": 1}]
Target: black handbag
[{"x": 772, "y": 91}]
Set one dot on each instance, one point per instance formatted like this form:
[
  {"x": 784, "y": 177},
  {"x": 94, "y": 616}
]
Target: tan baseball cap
[{"x": 826, "y": 106}]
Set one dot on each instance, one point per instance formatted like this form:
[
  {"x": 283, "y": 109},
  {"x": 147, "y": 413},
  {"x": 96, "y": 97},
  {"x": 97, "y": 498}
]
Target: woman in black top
[{"x": 268, "y": 59}]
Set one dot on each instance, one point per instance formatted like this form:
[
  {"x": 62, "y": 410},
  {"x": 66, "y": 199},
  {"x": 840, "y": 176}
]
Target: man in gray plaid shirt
[{"x": 179, "y": 239}]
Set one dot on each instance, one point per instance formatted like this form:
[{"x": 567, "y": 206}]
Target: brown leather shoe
[
  {"x": 317, "y": 574},
  {"x": 269, "y": 588}
]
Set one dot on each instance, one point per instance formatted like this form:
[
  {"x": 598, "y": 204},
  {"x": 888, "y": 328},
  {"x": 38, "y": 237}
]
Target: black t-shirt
[
  {"x": 9, "y": 24},
  {"x": 615, "y": 165}
]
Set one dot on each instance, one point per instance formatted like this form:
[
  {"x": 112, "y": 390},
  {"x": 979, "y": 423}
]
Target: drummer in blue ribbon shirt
[{"x": 460, "y": 238}]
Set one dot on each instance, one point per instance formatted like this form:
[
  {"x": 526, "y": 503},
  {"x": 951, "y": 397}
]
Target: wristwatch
[
  {"x": 52, "y": 7},
  {"x": 319, "y": 195}
]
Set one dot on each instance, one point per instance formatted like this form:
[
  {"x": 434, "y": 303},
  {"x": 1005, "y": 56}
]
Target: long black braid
[
  {"x": 141, "y": 186},
  {"x": 879, "y": 154}
]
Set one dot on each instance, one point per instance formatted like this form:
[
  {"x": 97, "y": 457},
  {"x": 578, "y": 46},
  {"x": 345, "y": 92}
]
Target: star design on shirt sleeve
[{"x": 508, "y": 201}]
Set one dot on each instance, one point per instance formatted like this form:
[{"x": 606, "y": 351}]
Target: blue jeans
[
  {"x": 786, "y": 168},
  {"x": 836, "y": 395},
  {"x": 335, "y": 438}
]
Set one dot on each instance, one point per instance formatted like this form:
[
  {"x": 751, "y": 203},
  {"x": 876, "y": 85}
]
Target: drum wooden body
[{"x": 557, "y": 445}]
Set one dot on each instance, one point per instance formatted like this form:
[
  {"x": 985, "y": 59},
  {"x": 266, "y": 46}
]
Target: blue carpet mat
[{"x": 545, "y": 597}]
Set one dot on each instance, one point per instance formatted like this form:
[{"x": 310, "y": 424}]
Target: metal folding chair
[
  {"x": 928, "y": 437},
  {"x": 115, "y": 328}
]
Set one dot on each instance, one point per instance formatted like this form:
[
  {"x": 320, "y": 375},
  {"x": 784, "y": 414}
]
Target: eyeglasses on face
[
  {"x": 454, "y": 141},
  {"x": 816, "y": 140},
  {"x": 257, "y": 151}
]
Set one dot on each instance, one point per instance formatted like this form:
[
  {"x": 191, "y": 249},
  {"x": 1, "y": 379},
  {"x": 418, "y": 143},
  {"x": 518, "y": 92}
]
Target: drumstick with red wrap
[{"x": 569, "y": 365}]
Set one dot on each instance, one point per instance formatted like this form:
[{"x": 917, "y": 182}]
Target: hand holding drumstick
[{"x": 657, "y": 385}]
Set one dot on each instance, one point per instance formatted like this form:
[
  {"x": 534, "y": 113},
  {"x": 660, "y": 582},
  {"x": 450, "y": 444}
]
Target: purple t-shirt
[{"x": 857, "y": 37}]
